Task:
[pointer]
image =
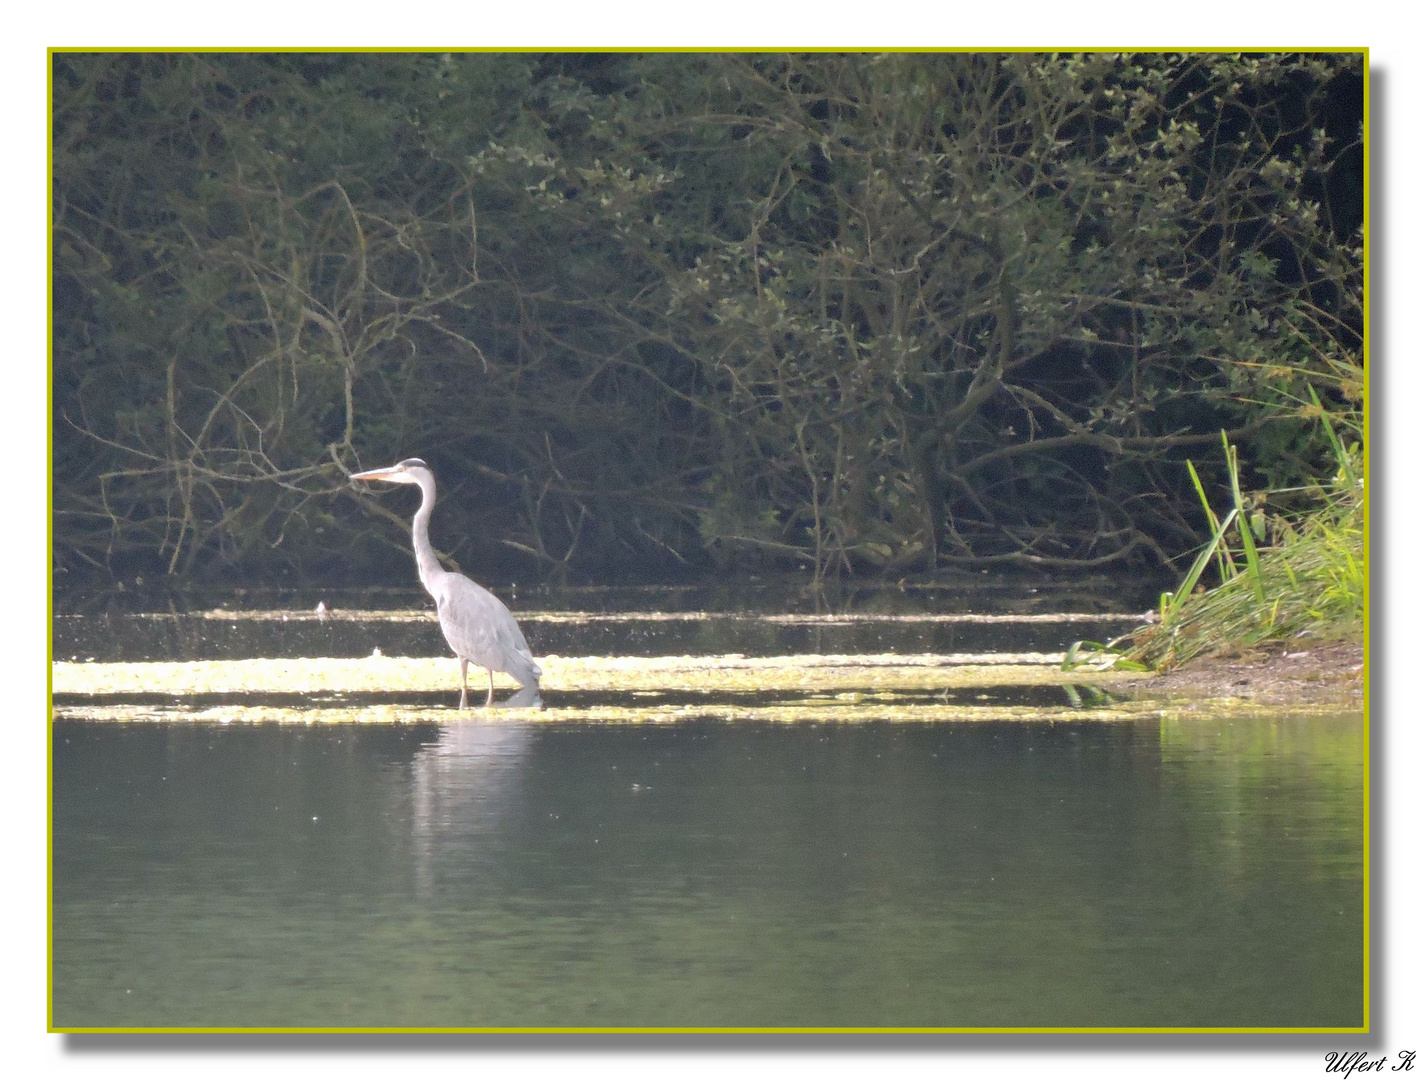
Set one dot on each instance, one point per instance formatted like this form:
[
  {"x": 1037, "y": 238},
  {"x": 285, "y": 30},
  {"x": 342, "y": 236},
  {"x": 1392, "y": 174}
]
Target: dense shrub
[{"x": 641, "y": 312}]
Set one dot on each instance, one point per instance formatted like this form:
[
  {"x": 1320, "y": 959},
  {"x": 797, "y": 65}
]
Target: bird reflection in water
[{"x": 464, "y": 785}]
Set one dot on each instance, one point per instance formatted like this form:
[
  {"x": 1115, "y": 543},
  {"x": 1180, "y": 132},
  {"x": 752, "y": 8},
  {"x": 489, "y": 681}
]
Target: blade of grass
[
  {"x": 1204, "y": 500},
  {"x": 1251, "y": 551},
  {"x": 1226, "y": 560},
  {"x": 1188, "y": 585},
  {"x": 1347, "y": 474}
]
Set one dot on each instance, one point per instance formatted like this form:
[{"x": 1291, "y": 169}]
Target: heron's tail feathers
[{"x": 524, "y": 669}]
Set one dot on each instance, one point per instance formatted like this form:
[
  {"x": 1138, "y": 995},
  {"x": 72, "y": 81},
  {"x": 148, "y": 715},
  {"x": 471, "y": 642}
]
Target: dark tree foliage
[{"x": 859, "y": 313}]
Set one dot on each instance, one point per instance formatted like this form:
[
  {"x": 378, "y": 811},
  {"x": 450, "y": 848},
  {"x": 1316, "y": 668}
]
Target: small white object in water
[{"x": 321, "y": 612}]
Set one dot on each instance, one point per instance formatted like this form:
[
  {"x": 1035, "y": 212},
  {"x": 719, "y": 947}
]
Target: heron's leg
[
  {"x": 462, "y": 702},
  {"x": 489, "y": 688}
]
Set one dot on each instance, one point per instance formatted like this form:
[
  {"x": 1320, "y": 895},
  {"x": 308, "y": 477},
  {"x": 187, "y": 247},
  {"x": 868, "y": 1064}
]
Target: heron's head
[{"x": 405, "y": 472}]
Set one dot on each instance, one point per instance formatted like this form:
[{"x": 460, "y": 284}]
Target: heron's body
[
  {"x": 480, "y": 629},
  {"x": 477, "y": 626}
]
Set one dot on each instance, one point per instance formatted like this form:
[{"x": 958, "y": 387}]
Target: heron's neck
[{"x": 429, "y": 569}]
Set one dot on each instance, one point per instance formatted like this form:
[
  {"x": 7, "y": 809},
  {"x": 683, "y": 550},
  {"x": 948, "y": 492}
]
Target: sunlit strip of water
[
  {"x": 819, "y": 711},
  {"x": 723, "y": 672},
  {"x": 368, "y": 615}
]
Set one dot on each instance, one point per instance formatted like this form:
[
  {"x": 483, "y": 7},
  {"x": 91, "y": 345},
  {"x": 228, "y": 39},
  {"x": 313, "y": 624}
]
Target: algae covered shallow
[
  {"x": 633, "y": 689},
  {"x": 628, "y": 673},
  {"x": 581, "y": 617},
  {"x": 851, "y": 710},
  {"x": 383, "y": 689}
]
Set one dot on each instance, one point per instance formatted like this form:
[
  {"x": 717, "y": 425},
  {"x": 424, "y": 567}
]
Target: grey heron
[{"x": 477, "y": 625}]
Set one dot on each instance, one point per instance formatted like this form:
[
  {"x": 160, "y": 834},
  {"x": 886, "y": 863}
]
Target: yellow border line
[
  {"x": 634, "y": 49},
  {"x": 1366, "y": 541},
  {"x": 712, "y": 1031},
  {"x": 49, "y": 546}
]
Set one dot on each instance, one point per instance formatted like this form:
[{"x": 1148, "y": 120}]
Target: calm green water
[{"x": 490, "y": 873}]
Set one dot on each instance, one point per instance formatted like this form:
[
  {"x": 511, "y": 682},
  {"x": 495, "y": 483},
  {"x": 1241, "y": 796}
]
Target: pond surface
[{"x": 1055, "y": 865}]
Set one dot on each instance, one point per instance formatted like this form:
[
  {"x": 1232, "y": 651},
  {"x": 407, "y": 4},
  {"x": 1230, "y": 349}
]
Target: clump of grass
[{"x": 1309, "y": 581}]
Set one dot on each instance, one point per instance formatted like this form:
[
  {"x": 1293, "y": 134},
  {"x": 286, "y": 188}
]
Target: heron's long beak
[{"x": 374, "y": 474}]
